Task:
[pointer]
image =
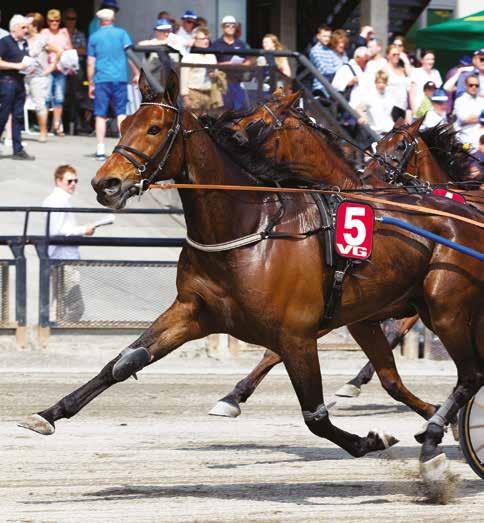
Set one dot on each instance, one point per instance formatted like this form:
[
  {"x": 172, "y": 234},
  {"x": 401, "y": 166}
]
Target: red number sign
[
  {"x": 449, "y": 194},
  {"x": 354, "y": 230}
]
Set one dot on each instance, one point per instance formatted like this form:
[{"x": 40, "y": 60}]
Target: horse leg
[
  {"x": 179, "y": 324},
  {"x": 229, "y": 405},
  {"x": 371, "y": 339},
  {"x": 460, "y": 331},
  {"x": 395, "y": 331},
  {"x": 301, "y": 360}
]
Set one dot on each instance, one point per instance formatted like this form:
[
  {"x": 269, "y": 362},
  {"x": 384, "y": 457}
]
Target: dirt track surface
[{"x": 147, "y": 451}]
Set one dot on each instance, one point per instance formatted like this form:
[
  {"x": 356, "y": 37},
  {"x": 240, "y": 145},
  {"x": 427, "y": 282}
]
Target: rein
[{"x": 252, "y": 188}]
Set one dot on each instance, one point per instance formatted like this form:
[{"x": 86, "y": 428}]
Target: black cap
[{"x": 429, "y": 85}]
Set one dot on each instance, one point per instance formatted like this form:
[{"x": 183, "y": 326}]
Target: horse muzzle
[{"x": 113, "y": 192}]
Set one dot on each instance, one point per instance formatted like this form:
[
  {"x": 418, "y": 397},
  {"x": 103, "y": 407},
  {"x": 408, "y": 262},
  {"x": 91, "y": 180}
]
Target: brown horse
[
  {"x": 436, "y": 156},
  {"x": 272, "y": 292}
]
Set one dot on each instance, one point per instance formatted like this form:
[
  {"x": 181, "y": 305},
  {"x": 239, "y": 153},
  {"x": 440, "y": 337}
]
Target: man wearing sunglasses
[
  {"x": 468, "y": 109},
  {"x": 457, "y": 82},
  {"x": 65, "y": 224},
  {"x": 235, "y": 97}
]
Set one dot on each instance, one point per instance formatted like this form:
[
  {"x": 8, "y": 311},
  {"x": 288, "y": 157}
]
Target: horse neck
[
  {"x": 425, "y": 167},
  {"x": 211, "y": 215},
  {"x": 326, "y": 164}
]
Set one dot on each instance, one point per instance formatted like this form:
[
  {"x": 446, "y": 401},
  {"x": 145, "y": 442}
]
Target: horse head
[
  {"x": 146, "y": 151},
  {"x": 394, "y": 151}
]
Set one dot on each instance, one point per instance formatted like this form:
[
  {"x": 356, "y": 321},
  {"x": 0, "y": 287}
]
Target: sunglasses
[
  {"x": 472, "y": 85},
  {"x": 70, "y": 18},
  {"x": 230, "y": 25},
  {"x": 53, "y": 21},
  {"x": 74, "y": 180}
]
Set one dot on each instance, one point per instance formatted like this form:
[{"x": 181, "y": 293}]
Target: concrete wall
[{"x": 138, "y": 18}]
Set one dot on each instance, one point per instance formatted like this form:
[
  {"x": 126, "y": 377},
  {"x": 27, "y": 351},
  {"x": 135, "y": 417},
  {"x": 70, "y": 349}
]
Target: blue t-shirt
[{"x": 107, "y": 46}]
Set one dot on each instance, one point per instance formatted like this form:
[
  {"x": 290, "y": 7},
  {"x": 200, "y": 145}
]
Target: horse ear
[
  {"x": 147, "y": 93},
  {"x": 414, "y": 127},
  {"x": 289, "y": 100},
  {"x": 399, "y": 122},
  {"x": 172, "y": 87}
]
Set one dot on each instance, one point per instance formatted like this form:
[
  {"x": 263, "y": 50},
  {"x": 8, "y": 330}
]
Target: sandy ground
[{"x": 147, "y": 451}]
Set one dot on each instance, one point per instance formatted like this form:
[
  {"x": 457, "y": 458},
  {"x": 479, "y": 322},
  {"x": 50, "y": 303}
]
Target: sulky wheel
[{"x": 471, "y": 430}]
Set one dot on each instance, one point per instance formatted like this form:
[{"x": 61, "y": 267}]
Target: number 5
[{"x": 351, "y": 222}]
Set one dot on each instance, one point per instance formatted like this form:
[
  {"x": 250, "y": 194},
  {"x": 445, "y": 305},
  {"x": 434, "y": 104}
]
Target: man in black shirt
[
  {"x": 13, "y": 50},
  {"x": 235, "y": 98}
]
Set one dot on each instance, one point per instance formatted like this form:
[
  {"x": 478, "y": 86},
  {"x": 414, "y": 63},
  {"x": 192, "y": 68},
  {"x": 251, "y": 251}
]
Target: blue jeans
[
  {"x": 12, "y": 100},
  {"x": 235, "y": 97},
  {"x": 57, "y": 89}
]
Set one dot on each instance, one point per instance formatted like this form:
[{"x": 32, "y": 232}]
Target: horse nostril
[{"x": 111, "y": 186}]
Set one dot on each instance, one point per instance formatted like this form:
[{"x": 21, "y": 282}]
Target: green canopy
[{"x": 462, "y": 34}]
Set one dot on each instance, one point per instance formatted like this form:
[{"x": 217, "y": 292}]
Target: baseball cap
[
  {"x": 53, "y": 14},
  {"x": 478, "y": 52},
  {"x": 465, "y": 60},
  {"x": 163, "y": 25},
  {"x": 110, "y": 4},
  {"x": 439, "y": 95},
  {"x": 189, "y": 15},
  {"x": 105, "y": 14},
  {"x": 429, "y": 85},
  {"x": 229, "y": 19}
]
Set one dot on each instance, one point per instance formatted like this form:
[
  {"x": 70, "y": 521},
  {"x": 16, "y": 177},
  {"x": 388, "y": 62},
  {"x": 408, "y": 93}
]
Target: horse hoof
[
  {"x": 225, "y": 409},
  {"x": 38, "y": 424},
  {"x": 420, "y": 434},
  {"x": 348, "y": 391},
  {"x": 434, "y": 469},
  {"x": 130, "y": 362},
  {"x": 386, "y": 439}
]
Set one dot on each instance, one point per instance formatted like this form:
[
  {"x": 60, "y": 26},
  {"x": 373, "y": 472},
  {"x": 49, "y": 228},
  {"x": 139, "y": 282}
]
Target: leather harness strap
[{"x": 256, "y": 188}]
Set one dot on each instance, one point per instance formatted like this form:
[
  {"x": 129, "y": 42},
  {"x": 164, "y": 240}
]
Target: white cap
[
  {"x": 229, "y": 19},
  {"x": 18, "y": 20},
  {"x": 107, "y": 15}
]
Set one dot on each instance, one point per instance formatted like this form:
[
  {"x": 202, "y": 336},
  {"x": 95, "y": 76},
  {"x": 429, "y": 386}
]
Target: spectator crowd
[{"x": 87, "y": 80}]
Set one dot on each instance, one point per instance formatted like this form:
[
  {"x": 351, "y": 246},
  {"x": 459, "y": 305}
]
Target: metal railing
[{"x": 268, "y": 76}]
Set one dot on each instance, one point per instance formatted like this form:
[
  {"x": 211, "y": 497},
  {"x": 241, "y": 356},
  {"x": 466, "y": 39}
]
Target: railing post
[
  {"x": 20, "y": 293},
  {"x": 44, "y": 293}
]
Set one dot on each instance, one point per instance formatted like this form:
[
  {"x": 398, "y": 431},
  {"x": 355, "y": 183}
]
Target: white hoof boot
[
  {"x": 38, "y": 424},
  {"x": 348, "y": 391},
  {"x": 387, "y": 439},
  {"x": 225, "y": 409},
  {"x": 434, "y": 469}
]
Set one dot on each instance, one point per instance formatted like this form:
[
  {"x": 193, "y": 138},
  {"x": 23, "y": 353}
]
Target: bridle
[{"x": 150, "y": 162}]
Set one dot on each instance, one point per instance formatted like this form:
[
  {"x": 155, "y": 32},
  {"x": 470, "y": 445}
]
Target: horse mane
[
  {"x": 447, "y": 150},
  {"x": 332, "y": 139},
  {"x": 251, "y": 155}
]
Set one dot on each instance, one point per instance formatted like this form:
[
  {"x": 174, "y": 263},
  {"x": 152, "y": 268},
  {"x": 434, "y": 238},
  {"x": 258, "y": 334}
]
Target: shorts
[
  {"x": 57, "y": 89},
  {"x": 107, "y": 92},
  {"x": 38, "y": 89}
]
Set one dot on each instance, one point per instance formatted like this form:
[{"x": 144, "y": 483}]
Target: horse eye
[
  {"x": 154, "y": 129},
  {"x": 401, "y": 147}
]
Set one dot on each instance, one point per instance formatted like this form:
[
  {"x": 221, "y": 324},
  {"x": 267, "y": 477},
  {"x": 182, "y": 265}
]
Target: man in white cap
[
  {"x": 107, "y": 73},
  {"x": 235, "y": 97},
  {"x": 438, "y": 113},
  {"x": 14, "y": 59},
  {"x": 189, "y": 22}
]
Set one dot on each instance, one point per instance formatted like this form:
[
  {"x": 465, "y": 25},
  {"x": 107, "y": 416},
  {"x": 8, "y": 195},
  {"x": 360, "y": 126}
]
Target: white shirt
[
  {"x": 465, "y": 106},
  {"x": 398, "y": 88},
  {"x": 196, "y": 77},
  {"x": 63, "y": 224},
  {"x": 185, "y": 37},
  {"x": 344, "y": 75},
  {"x": 420, "y": 77},
  {"x": 375, "y": 65},
  {"x": 433, "y": 118},
  {"x": 377, "y": 106}
]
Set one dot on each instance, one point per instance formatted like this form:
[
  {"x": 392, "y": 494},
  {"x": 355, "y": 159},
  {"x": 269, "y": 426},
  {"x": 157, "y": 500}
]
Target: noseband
[{"x": 149, "y": 162}]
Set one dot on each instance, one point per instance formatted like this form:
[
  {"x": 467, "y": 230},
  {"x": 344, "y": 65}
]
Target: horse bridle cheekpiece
[{"x": 131, "y": 154}]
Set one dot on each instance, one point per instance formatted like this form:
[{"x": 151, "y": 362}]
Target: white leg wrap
[{"x": 318, "y": 415}]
